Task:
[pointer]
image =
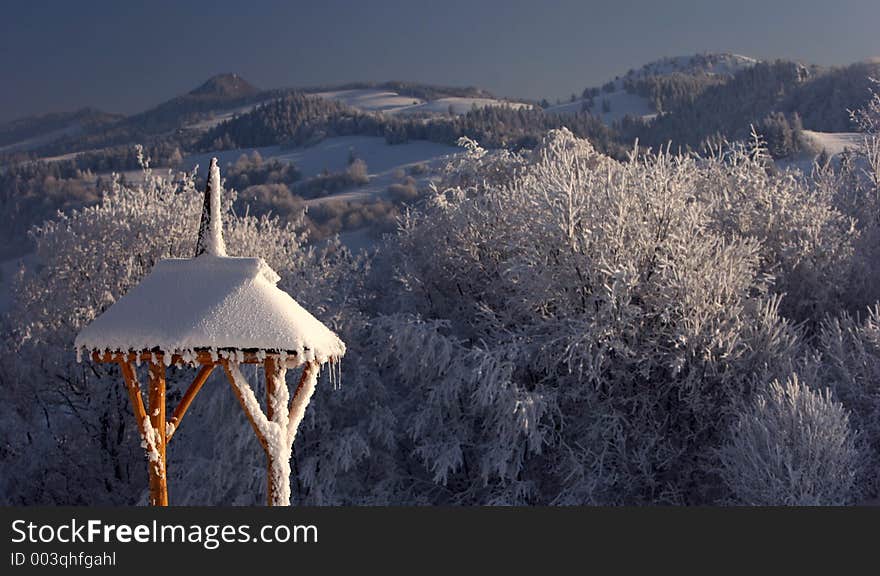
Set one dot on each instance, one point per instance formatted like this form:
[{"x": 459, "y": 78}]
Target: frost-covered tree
[{"x": 850, "y": 349}]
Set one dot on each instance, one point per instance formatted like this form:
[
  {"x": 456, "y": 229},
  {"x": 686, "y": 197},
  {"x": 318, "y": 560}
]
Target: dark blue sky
[{"x": 126, "y": 56}]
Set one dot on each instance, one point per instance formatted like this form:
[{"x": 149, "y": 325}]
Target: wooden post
[
  {"x": 272, "y": 384},
  {"x": 158, "y": 476},
  {"x": 156, "y": 465}
]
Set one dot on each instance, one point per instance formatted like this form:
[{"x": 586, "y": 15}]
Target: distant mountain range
[{"x": 684, "y": 99}]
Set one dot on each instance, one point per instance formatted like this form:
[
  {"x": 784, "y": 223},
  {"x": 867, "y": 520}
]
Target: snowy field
[
  {"x": 370, "y": 100},
  {"x": 332, "y": 154},
  {"x": 620, "y": 104},
  {"x": 388, "y": 102},
  {"x": 834, "y": 142},
  {"x": 384, "y": 162},
  {"x": 459, "y": 105}
]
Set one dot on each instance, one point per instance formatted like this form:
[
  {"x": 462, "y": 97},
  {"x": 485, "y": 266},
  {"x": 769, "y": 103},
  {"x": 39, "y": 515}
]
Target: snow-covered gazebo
[{"x": 208, "y": 311}]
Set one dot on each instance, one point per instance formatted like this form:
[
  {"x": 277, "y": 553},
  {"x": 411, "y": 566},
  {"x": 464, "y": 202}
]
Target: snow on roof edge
[{"x": 219, "y": 304}]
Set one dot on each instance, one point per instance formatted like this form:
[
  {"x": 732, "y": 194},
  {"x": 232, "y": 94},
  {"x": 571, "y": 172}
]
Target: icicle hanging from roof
[{"x": 210, "y": 240}]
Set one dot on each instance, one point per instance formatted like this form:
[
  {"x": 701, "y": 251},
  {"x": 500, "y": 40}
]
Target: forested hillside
[
  {"x": 775, "y": 97},
  {"x": 299, "y": 119}
]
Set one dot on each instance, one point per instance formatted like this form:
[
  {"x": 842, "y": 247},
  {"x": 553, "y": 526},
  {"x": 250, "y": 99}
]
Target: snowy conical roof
[{"x": 210, "y": 302}]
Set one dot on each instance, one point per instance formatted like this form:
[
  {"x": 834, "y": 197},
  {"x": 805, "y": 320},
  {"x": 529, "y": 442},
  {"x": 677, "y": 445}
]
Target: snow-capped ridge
[{"x": 722, "y": 63}]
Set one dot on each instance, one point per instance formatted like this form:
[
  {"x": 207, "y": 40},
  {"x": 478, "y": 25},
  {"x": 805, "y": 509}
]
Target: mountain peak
[{"x": 225, "y": 86}]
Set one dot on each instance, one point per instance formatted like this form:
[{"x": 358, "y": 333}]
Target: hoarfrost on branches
[
  {"x": 791, "y": 446},
  {"x": 603, "y": 321}
]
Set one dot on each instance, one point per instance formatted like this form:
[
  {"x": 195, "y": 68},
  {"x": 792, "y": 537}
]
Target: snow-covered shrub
[
  {"x": 791, "y": 446},
  {"x": 850, "y": 349}
]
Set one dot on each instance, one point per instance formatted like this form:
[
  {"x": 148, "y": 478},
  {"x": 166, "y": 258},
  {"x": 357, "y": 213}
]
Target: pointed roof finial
[{"x": 210, "y": 240}]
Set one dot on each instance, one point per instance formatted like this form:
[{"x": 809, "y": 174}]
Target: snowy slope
[
  {"x": 621, "y": 103},
  {"x": 389, "y": 102},
  {"x": 371, "y": 100},
  {"x": 724, "y": 64},
  {"x": 333, "y": 153},
  {"x": 37, "y": 141},
  {"x": 834, "y": 142},
  {"x": 458, "y": 105}
]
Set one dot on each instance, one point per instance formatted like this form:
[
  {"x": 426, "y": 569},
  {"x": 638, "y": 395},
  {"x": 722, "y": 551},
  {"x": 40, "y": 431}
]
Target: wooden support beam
[
  {"x": 273, "y": 381},
  {"x": 156, "y": 431},
  {"x": 291, "y": 418},
  {"x": 303, "y": 378},
  {"x": 134, "y": 394},
  {"x": 158, "y": 475},
  {"x": 187, "y": 399},
  {"x": 154, "y": 437},
  {"x": 244, "y": 407}
]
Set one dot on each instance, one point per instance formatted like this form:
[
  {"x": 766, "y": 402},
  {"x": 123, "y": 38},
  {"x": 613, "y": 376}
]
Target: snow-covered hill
[
  {"x": 722, "y": 64},
  {"x": 384, "y": 163},
  {"x": 389, "y": 102},
  {"x": 609, "y": 106},
  {"x": 614, "y": 102}
]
